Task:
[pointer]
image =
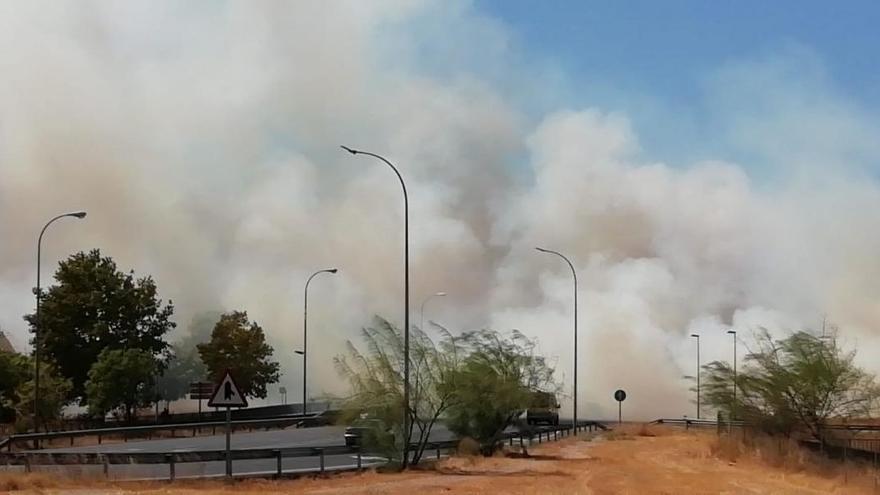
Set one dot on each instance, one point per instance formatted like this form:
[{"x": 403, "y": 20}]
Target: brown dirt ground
[{"x": 659, "y": 461}]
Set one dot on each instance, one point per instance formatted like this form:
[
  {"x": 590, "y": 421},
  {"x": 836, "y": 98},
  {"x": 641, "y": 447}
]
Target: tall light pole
[
  {"x": 574, "y": 274},
  {"x": 406, "y": 426},
  {"x": 422, "y": 319},
  {"x": 696, "y": 336},
  {"x": 733, "y": 409},
  {"x": 305, "y": 348},
  {"x": 37, "y": 333}
]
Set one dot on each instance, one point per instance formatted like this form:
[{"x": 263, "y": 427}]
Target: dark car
[{"x": 360, "y": 428}]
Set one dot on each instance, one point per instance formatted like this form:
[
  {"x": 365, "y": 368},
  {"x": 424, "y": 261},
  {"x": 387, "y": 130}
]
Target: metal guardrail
[
  {"x": 127, "y": 431},
  {"x": 30, "y": 459},
  {"x": 689, "y": 422},
  {"x": 852, "y": 427},
  {"x": 711, "y": 422},
  {"x": 134, "y": 431}
]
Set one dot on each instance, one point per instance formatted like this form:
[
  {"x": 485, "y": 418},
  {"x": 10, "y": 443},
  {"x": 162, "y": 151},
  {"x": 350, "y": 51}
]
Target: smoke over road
[{"x": 203, "y": 139}]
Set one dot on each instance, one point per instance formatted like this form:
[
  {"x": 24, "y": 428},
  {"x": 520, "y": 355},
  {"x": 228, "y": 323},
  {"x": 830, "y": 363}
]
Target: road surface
[{"x": 276, "y": 439}]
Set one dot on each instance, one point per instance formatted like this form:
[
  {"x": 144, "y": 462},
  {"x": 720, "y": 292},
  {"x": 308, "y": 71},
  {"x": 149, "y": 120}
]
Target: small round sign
[{"x": 619, "y": 395}]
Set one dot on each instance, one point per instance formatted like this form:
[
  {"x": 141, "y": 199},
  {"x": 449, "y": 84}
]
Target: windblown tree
[
  {"x": 240, "y": 346},
  {"x": 478, "y": 384},
  {"x": 800, "y": 382},
  {"x": 376, "y": 376},
  {"x": 94, "y": 307},
  {"x": 495, "y": 384}
]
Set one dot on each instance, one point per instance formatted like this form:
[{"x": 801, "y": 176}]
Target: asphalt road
[{"x": 303, "y": 437}]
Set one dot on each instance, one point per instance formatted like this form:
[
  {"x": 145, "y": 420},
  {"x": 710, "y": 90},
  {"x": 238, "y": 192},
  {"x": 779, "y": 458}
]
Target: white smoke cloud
[{"x": 203, "y": 140}]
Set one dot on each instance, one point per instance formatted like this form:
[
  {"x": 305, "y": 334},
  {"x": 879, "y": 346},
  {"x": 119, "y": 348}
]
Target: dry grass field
[{"x": 635, "y": 460}]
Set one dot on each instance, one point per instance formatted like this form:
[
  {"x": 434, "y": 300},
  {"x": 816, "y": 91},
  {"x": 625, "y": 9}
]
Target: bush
[{"x": 495, "y": 384}]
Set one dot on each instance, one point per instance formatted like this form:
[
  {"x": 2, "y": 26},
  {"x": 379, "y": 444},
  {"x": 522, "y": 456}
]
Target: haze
[{"x": 203, "y": 139}]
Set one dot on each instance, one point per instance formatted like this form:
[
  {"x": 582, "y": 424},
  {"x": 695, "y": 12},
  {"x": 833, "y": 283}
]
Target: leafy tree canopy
[
  {"x": 240, "y": 346},
  {"x": 122, "y": 379},
  {"x": 94, "y": 307}
]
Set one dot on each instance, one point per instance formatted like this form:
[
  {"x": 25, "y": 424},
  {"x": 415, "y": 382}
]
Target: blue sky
[
  {"x": 664, "y": 46},
  {"x": 661, "y": 62}
]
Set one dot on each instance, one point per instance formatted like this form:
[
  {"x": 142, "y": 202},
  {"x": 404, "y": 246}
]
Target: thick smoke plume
[{"x": 203, "y": 139}]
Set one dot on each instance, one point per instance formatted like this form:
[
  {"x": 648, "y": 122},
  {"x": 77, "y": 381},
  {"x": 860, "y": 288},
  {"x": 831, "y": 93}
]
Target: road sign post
[
  {"x": 228, "y": 442},
  {"x": 200, "y": 391},
  {"x": 228, "y": 394},
  {"x": 619, "y": 396}
]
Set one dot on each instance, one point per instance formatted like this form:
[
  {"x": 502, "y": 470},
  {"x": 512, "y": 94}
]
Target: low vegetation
[{"x": 494, "y": 384}]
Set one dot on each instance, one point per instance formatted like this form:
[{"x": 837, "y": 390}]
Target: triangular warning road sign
[{"x": 227, "y": 393}]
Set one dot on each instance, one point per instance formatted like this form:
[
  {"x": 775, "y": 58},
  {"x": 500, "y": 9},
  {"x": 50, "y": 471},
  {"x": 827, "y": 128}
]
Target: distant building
[{"x": 5, "y": 344}]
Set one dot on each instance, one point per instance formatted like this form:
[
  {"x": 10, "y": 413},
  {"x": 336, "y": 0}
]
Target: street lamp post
[
  {"x": 37, "y": 333},
  {"x": 406, "y": 408},
  {"x": 574, "y": 274},
  {"x": 733, "y": 409},
  {"x": 306, "y": 331},
  {"x": 422, "y": 313},
  {"x": 696, "y": 336}
]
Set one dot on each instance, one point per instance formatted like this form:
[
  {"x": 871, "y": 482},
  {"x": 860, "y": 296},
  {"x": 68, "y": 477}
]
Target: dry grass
[
  {"x": 12, "y": 482},
  {"x": 646, "y": 430},
  {"x": 629, "y": 431},
  {"x": 786, "y": 454},
  {"x": 778, "y": 452}
]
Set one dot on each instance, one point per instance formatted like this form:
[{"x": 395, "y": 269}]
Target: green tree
[
  {"x": 94, "y": 307},
  {"x": 13, "y": 372},
  {"x": 19, "y": 399},
  {"x": 799, "y": 382},
  {"x": 121, "y": 379},
  {"x": 240, "y": 346},
  {"x": 495, "y": 384},
  {"x": 376, "y": 380}
]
